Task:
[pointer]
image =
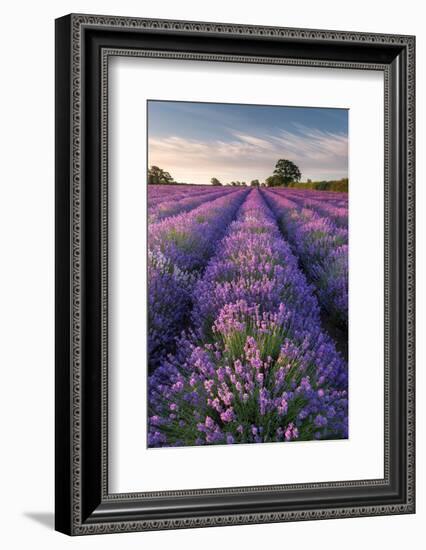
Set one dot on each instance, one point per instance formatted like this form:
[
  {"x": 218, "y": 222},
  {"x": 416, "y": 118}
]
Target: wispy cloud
[{"x": 319, "y": 155}]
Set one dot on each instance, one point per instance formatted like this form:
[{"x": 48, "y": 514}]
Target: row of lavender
[
  {"x": 164, "y": 193},
  {"x": 179, "y": 247},
  {"x": 331, "y": 197},
  {"x": 179, "y": 204},
  {"x": 322, "y": 248},
  {"x": 337, "y": 211},
  {"x": 157, "y": 193},
  {"x": 257, "y": 366}
]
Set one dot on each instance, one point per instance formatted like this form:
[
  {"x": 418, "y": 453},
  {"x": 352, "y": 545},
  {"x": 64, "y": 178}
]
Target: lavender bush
[
  {"x": 178, "y": 249},
  {"x": 322, "y": 248},
  {"x": 181, "y": 204},
  {"x": 326, "y": 208}
]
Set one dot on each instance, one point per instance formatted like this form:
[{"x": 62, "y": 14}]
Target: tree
[
  {"x": 285, "y": 172},
  {"x": 157, "y": 176},
  {"x": 273, "y": 181},
  {"x": 254, "y": 183},
  {"x": 215, "y": 181}
]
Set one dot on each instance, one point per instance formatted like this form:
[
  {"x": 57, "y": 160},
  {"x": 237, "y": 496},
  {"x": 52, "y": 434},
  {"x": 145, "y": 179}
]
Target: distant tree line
[
  {"x": 341, "y": 185},
  {"x": 285, "y": 174}
]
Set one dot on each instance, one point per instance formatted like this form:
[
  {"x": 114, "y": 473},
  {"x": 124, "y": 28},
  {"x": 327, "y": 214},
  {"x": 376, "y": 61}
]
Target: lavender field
[{"x": 247, "y": 311}]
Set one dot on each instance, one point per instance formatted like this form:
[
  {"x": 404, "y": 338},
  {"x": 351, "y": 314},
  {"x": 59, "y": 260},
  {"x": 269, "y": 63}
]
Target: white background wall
[{"x": 27, "y": 262}]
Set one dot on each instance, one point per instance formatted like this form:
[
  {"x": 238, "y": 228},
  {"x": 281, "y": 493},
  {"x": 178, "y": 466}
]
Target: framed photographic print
[{"x": 234, "y": 274}]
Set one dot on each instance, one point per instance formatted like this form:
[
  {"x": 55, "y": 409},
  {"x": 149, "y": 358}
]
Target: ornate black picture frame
[{"x": 83, "y": 45}]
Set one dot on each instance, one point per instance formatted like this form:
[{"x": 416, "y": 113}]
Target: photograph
[
  {"x": 235, "y": 280},
  {"x": 247, "y": 270}
]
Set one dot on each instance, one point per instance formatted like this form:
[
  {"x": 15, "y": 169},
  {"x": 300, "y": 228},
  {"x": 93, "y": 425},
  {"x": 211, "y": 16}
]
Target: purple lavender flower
[
  {"x": 320, "y": 421},
  {"x": 209, "y": 422}
]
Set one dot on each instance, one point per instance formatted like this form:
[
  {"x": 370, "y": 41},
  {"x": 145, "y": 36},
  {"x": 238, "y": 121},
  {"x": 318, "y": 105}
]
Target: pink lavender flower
[
  {"x": 282, "y": 407},
  {"x": 228, "y": 415},
  {"x": 291, "y": 432},
  {"x": 208, "y": 384}
]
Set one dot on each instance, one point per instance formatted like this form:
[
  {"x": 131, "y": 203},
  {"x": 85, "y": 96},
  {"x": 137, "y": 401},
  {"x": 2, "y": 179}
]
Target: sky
[{"x": 198, "y": 141}]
